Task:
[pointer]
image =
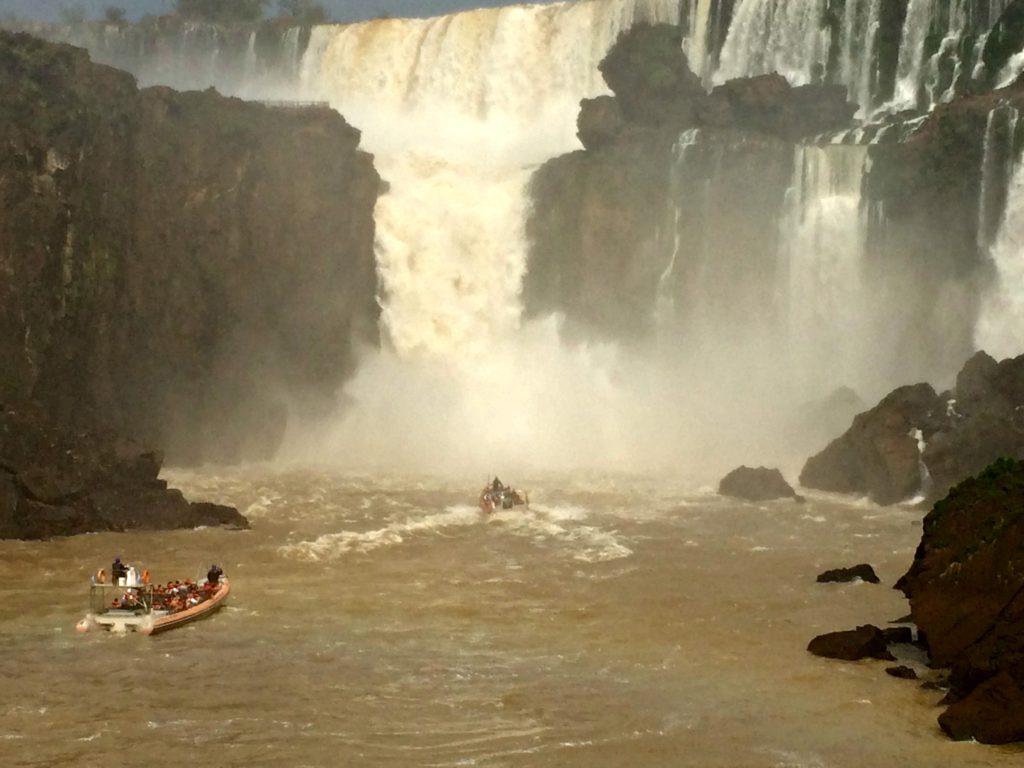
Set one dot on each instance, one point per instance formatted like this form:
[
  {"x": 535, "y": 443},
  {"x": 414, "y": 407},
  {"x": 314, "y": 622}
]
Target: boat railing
[{"x": 101, "y": 595}]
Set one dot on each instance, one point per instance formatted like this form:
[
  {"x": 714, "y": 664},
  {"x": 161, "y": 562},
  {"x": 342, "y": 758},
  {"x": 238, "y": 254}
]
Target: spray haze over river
[{"x": 630, "y": 616}]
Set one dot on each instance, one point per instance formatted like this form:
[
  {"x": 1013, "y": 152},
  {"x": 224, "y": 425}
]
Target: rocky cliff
[
  {"x": 966, "y": 592},
  {"x": 604, "y": 228},
  {"x": 56, "y": 481},
  {"x": 176, "y": 267},
  {"x": 916, "y": 441}
]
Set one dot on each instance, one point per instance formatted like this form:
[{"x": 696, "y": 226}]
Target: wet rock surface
[
  {"x": 175, "y": 264},
  {"x": 966, "y": 592}
]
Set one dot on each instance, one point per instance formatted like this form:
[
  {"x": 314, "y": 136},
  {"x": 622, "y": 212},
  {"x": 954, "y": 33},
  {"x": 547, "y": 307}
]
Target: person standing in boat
[
  {"x": 118, "y": 570},
  {"x": 214, "y": 574}
]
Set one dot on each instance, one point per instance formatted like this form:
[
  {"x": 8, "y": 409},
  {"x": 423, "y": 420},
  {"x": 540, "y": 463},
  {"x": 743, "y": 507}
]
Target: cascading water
[
  {"x": 997, "y": 164},
  {"x": 858, "y": 43},
  {"x": 822, "y": 261},
  {"x": 1000, "y": 327},
  {"x": 697, "y": 42},
  {"x": 769, "y": 36}
]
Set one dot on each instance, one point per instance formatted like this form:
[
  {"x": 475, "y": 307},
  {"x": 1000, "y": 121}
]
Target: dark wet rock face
[
  {"x": 962, "y": 431},
  {"x": 175, "y": 264},
  {"x": 864, "y": 642},
  {"x": 863, "y": 571},
  {"x": 760, "y": 484},
  {"x": 966, "y": 592},
  {"x": 58, "y": 482},
  {"x": 173, "y": 267}
]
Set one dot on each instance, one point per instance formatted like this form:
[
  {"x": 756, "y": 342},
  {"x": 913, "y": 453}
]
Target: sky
[{"x": 341, "y": 10}]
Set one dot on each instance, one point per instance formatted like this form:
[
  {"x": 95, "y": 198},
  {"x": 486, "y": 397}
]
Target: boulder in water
[
  {"x": 867, "y": 641},
  {"x": 863, "y": 571},
  {"x": 760, "y": 484},
  {"x": 901, "y": 671}
]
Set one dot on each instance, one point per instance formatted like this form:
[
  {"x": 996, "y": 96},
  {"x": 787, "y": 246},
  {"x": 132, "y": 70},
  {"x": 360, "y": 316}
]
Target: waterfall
[
  {"x": 772, "y": 36},
  {"x": 680, "y": 188},
  {"x": 922, "y": 468},
  {"x": 696, "y": 44},
  {"x": 858, "y": 42},
  {"x": 821, "y": 274},
  {"x": 996, "y": 169},
  {"x": 456, "y": 109},
  {"x": 1000, "y": 327},
  {"x": 911, "y": 54}
]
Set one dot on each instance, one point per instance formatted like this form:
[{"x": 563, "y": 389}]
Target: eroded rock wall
[{"x": 180, "y": 267}]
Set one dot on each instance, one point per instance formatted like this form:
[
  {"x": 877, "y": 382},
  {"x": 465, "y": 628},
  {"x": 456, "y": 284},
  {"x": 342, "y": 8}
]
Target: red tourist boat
[
  {"x": 150, "y": 609},
  {"x": 498, "y": 495}
]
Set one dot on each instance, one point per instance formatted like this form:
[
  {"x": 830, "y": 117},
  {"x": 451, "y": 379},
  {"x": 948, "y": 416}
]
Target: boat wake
[
  {"x": 331, "y": 546},
  {"x": 559, "y": 527}
]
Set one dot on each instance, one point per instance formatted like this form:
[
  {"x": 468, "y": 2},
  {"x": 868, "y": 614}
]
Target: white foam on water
[{"x": 331, "y": 546}]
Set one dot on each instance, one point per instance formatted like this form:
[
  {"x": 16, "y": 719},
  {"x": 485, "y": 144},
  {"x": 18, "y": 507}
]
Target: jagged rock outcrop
[
  {"x": 767, "y": 103},
  {"x": 605, "y": 221},
  {"x": 966, "y": 593},
  {"x": 760, "y": 484},
  {"x": 177, "y": 266},
  {"x": 655, "y": 90},
  {"x": 962, "y": 431},
  {"x": 58, "y": 482},
  {"x": 878, "y": 455}
]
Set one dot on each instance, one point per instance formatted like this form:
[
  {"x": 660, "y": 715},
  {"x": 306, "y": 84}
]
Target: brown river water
[{"x": 620, "y": 621}]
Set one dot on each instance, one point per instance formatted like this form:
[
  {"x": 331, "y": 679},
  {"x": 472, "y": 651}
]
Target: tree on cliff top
[{"x": 221, "y": 10}]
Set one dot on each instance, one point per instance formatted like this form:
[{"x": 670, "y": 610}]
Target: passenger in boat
[
  {"x": 100, "y": 577},
  {"x": 496, "y": 486},
  {"x": 118, "y": 570},
  {"x": 214, "y": 574}
]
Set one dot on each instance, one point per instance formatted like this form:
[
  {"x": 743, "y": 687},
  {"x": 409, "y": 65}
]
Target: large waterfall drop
[{"x": 458, "y": 111}]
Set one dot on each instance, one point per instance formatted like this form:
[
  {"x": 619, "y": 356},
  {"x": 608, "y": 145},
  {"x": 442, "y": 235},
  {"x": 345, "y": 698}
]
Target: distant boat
[
  {"x": 497, "y": 495},
  {"x": 121, "y": 608}
]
